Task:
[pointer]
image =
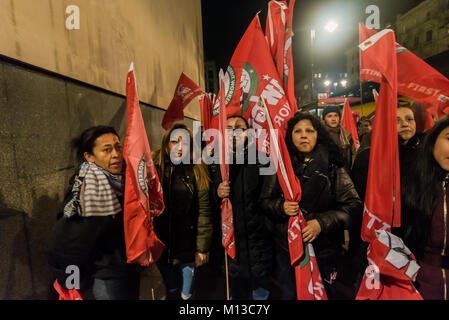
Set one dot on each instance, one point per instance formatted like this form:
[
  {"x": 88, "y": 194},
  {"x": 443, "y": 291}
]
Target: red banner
[
  {"x": 279, "y": 34},
  {"x": 143, "y": 192},
  {"x": 227, "y": 224},
  {"x": 309, "y": 284},
  {"x": 348, "y": 123},
  {"x": 252, "y": 74},
  {"x": 416, "y": 79},
  {"x": 392, "y": 268},
  {"x": 383, "y": 196},
  {"x": 185, "y": 91}
]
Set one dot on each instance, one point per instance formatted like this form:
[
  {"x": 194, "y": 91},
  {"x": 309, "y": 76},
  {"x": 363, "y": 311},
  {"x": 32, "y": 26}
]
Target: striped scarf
[{"x": 98, "y": 198}]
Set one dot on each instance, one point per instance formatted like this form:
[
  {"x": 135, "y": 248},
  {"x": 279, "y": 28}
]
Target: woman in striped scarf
[{"x": 89, "y": 235}]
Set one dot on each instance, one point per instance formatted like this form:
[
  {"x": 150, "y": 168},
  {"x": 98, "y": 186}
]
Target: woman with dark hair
[
  {"x": 185, "y": 226},
  {"x": 424, "y": 213},
  {"x": 89, "y": 233},
  {"x": 328, "y": 200}
]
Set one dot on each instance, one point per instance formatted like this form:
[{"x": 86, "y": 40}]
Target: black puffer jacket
[
  {"x": 328, "y": 195},
  {"x": 253, "y": 239},
  {"x": 185, "y": 226}
]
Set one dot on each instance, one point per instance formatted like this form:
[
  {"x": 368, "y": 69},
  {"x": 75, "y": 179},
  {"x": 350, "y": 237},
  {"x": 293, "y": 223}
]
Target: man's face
[
  {"x": 366, "y": 127},
  {"x": 332, "y": 119},
  {"x": 239, "y": 132}
]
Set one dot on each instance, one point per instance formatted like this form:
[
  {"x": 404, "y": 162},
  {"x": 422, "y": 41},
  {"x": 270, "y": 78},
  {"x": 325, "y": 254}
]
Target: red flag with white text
[
  {"x": 185, "y": 91},
  {"x": 416, "y": 79},
  {"x": 143, "y": 192},
  {"x": 227, "y": 223},
  {"x": 279, "y": 34},
  {"x": 250, "y": 74},
  {"x": 383, "y": 197},
  {"x": 309, "y": 284},
  {"x": 348, "y": 123}
]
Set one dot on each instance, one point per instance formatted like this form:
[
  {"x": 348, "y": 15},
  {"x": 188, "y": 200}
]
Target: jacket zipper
[{"x": 445, "y": 235}]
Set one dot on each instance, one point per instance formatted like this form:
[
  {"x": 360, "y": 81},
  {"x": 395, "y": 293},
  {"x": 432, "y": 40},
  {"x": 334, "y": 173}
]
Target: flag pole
[{"x": 227, "y": 274}]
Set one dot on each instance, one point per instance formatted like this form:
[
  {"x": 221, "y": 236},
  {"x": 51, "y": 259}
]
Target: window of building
[{"x": 429, "y": 35}]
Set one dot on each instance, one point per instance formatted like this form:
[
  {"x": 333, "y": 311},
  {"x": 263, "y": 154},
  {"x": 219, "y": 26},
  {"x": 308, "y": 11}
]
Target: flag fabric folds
[
  {"x": 279, "y": 34},
  {"x": 348, "y": 124},
  {"x": 416, "y": 79},
  {"x": 309, "y": 284},
  {"x": 251, "y": 74},
  {"x": 227, "y": 224},
  {"x": 185, "y": 91},
  {"x": 392, "y": 268},
  {"x": 383, "y": 196},
  {"x": 65, "y": 294},
  {"x": 143, "y": 192}
]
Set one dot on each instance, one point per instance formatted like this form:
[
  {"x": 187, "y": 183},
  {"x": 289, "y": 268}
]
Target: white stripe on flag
[{"x": 373, "y": 39}]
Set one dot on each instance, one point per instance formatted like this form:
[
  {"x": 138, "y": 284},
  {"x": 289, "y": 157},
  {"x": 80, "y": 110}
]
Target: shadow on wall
[{"x": 24, "y": 273}]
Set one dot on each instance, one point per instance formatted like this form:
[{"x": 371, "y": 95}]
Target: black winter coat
[
  {"x": 253, "y": 239},
  {"x": 185, "y": 226},
  {"x": 328, "y": 195}
]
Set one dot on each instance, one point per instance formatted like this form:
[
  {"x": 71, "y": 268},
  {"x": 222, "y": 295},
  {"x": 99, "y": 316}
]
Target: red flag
[
  {"x": 383, "y": 196},
  {"x": 429, "y": 122},
  {"x": 416, "y": 79},
  {"x": 279, "y": 34},
  {"x": 65, "y": 294},
  {"x": 251, "y": 74},
  {"x": 348, "y": 123},
  {"x": 392, "y": 268},
  {"x": 143, "y": 192},
  {"x": 227, "y": 224},
  {"x": 206, "y": 107},
  {"x": 185, "y": 91},
  {"x": 309, "y": 285}
]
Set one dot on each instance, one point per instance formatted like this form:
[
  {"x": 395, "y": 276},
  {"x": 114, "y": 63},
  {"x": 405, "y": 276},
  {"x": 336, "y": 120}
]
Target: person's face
[
  {"x": 406, "y": 124},
  {"x": 366, "y": 127},
  {"x": 304, "y": 136},
  {"x": 107, "y": 153},
  {"x": 178, "y": 147},
  {"x": 239, "y": 131},
  {"x": 332, "y": 119},
  {"x": 441, "y": 149}
]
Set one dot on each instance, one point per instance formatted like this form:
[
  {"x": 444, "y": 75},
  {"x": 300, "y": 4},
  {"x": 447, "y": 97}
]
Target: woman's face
[
  {"x": 107, "y": 153},
  {"x": 304, "y": 136},
  {"x": 441, "y": 149},
  {"x": 406, "y": 124},
  {"x": 178, "y": 148}
]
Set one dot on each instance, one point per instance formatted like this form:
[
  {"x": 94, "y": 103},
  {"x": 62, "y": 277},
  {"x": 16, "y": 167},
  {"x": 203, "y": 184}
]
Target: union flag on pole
[
  {"x": 416, "y": 79},
  {"x": 143, "y": 192},
  {"x": 279, "y": 34},
  {"x": 348, "y": 124},
  {"x": 185, "y": 91},
  {"x": 383, "y": 196},
  {"x": 251, "y": 74},
  {"x": 309, "y": 284},
  {"x": 227, "y": 224}
]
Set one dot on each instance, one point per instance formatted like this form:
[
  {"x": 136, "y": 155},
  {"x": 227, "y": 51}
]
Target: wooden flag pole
[{"x": 227, "y": 274}]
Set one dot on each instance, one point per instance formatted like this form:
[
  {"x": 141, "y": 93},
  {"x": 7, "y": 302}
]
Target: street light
[
  {"x": 331, "y": 26},
  {"x": 327, "y": 83},
  {"x": 344, "y": 83}
]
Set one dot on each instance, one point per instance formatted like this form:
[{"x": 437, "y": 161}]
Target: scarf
[{"x": 95, "y": 192}]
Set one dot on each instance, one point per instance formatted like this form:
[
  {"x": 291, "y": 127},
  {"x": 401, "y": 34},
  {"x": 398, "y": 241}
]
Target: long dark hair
[
  {"x": 420, "y": 191},
  {"x": 323, "y": 138},
  {"x": 86, "y": 141}
]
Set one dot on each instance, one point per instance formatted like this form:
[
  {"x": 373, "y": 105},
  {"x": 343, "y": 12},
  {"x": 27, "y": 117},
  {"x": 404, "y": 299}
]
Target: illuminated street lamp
[
  {"x": 344, "y": 83},
  {"x": 331, "y": 26},
  {"x": 327, "y": 83}
]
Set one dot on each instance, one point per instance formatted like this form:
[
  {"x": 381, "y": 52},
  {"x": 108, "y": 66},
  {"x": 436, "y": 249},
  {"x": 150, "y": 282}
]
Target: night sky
[{"x": 224, "y": 23}]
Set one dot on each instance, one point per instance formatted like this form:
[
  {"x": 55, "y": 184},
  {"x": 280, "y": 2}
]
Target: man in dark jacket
[{"x": 250, "y": 271}]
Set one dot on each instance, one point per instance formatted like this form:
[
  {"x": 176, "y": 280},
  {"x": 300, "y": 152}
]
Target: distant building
[{"x": 211, "y": 77}]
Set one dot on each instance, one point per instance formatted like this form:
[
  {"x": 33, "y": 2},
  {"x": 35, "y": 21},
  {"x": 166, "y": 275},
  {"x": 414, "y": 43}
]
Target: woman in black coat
[{"x": 328, "y": 201}]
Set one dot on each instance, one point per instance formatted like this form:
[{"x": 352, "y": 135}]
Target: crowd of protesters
[{"x": 333, "y": 178}]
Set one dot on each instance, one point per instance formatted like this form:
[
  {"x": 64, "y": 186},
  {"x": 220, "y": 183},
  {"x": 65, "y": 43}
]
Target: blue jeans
[
  {"x": 178, "y": 279},
  {"x": 116, "y": 289}
]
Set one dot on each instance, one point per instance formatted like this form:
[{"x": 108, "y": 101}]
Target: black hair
[
  {"x": 86, "y": 141},
  {"x": 240, "y": 117},
  {"x": 323, "y": 139},
  {"x": 420, "y": 191}
]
